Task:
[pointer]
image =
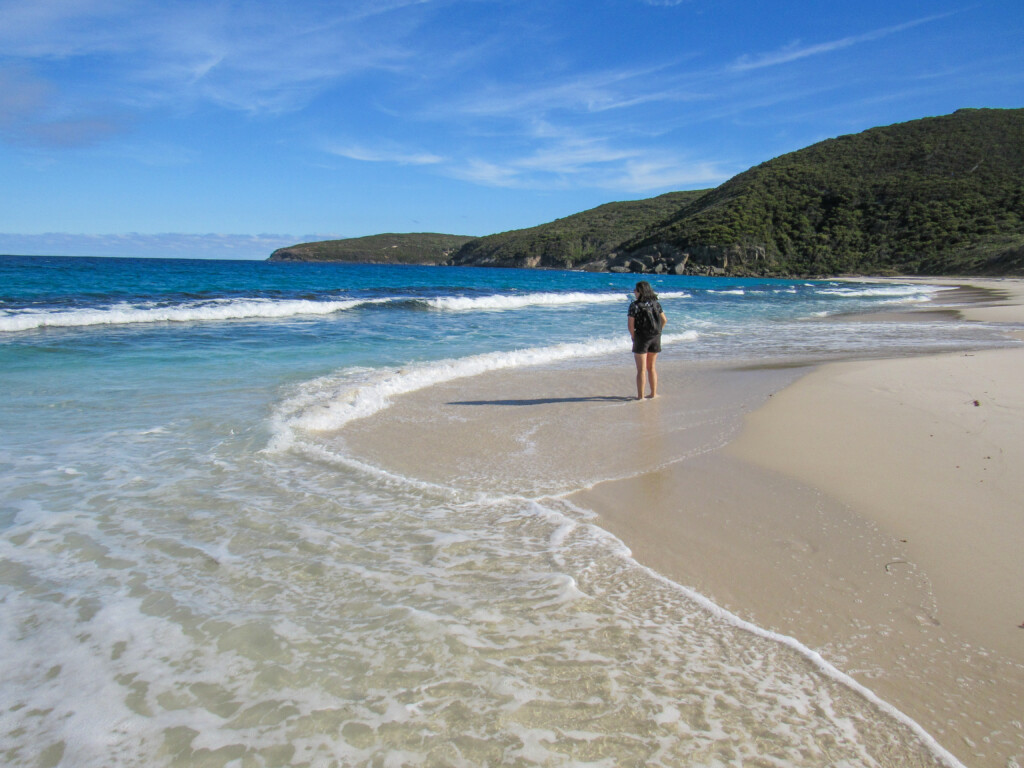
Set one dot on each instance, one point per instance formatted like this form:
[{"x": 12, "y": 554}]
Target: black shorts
[{"x": 642, "y": 346}]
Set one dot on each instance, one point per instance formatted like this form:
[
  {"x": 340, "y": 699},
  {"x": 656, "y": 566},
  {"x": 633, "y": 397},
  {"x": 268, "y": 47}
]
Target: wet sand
[
  {"x": 875, "y": 511},
  {"x": 869, "y": 509}
]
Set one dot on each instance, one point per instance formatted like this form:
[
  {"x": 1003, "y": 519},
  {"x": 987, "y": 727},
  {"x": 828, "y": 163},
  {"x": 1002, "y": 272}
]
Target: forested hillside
[
  {"x": 934, "y": 196},
  {"x": 575, "y": 240},
  {"x": 416, "y": 248},
  {"x": 941, "y": 195}
]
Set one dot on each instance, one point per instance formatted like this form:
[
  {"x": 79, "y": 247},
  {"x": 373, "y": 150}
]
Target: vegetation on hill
[
  {"x": 416, "y": 248},
  {"x": 941, "y": 195},
  {"x": 575, "y": 240}
]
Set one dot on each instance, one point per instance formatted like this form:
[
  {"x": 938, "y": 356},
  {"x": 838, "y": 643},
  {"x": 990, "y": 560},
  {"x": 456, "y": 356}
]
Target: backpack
[{"x": 647, "y": 320}]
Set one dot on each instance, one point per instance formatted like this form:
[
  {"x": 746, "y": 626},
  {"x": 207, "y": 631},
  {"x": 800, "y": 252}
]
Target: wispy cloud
[
  {"x": 264, "y": 58},
  {"x": 593, "y": 92},
  {"x": 487, "y": 173},
  {"x": 592, "y": 164},
  {"x": 622, "y": 119},
  {"x": 567, "y": 160},
  {"x": 382, "y": 154},
  {"x": 527, "y": 96},
  {"x": 588, "y": 129},
  {"x": 796, "y": 51},
  {"x": 665, "y": 173}
]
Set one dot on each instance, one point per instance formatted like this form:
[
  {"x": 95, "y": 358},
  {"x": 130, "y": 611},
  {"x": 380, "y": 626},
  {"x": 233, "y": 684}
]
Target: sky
[{"x": 226, "y": 129}]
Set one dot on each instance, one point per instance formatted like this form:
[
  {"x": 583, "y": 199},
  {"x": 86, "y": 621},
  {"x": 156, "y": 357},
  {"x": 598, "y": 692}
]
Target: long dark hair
[{"x": 646, "y": 292}]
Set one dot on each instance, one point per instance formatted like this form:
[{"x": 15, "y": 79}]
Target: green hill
[
  {"x": 941, "y": 195},
  {"x": 575, "y": 241},
  {"x": 417, "y": 248}
]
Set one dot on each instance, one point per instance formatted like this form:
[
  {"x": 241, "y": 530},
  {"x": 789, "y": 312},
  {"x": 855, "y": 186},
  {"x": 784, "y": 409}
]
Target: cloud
[
  {"x": 614, "y": 128},
  {"x": 382, "y": 155},
  {"x": 59, "y": 29},
  {"x": 479, "y": 171},
  {"x": 271, "y": 57},
  {"x": 796, "y": 52},
  {"x": 552, "y": 158},
  {"x": 589, "y": 93},
  {"x": 665, "y": 173},
  {"x": 591, "y": 164}
]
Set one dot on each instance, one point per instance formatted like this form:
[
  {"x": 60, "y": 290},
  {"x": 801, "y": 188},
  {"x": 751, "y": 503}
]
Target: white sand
[
  {"x": 870, "y": 509},
  {"x": 875, "y": 511}
]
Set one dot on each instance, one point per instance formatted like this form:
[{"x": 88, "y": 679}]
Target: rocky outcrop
[
  {"x": 516, "y": 261},
  {"x": 291, "y": 253},
  {"x": 666, "y": 259}
]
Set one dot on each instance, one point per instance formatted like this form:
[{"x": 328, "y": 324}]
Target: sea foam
[
  {"x": 855, "y": 291},
  {"x": 14, "y": 320},
  {"x": 330, "y": 402},
  {"x": 519, "y": 301},
  {"x": 199, "y": 311}
]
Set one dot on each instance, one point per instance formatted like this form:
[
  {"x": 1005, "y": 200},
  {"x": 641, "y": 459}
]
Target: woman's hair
[{"x": 646, "y": 292}]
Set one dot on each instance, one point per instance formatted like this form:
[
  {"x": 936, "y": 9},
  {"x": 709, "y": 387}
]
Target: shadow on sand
[{"x": 548, "y": 400}]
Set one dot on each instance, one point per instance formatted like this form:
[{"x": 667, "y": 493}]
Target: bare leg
[
  {"x": 652, "y": 373},
  {"x": 641, "y": 374}
]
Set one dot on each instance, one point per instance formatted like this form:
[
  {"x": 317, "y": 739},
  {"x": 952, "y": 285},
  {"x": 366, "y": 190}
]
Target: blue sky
[{"x": 226, "y": 129}]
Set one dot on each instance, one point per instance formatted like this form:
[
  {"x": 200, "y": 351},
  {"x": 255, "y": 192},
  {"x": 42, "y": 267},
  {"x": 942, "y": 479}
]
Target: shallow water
[{"x": 197, "y": 568}]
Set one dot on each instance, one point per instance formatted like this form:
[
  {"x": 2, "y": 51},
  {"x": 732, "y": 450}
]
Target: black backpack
[{"x": 647, "y": 320}]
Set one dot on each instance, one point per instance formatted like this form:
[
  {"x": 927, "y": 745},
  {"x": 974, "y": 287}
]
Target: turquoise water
[{"x": 189, "y": 577}]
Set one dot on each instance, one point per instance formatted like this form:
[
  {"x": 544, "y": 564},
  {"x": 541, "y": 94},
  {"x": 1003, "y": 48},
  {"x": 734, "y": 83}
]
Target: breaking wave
[
  {"x": 198, "y": 311},
  {"x": 518, "y": 301}
]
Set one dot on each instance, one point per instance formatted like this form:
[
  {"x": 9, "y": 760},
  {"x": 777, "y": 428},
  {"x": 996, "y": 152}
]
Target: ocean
[{"x": 202, "y": 565}]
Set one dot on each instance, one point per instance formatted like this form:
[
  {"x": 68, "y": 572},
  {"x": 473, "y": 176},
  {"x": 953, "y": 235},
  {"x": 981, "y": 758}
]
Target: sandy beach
[
  {"x": 874, "y": 510},
  {"x": 870, "y": 509}
]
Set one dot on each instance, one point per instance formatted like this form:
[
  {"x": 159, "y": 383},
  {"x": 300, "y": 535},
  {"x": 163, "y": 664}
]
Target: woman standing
[{"x": 646, "y": 319}]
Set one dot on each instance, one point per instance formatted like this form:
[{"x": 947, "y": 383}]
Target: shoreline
[
  {"x": 871, "y": 510},
  {"x": 669, "y": 479}
]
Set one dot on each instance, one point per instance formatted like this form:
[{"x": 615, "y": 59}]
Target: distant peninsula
[
  {"x": 414, "y": 248},
  {"x": 936, "y": 196}
]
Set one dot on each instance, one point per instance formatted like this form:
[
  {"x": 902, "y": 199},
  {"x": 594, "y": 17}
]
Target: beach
[
  {"x": 872, "y": 509},
  {"x": 868, "y": 508},
  {"x": 353, "y": 515}
]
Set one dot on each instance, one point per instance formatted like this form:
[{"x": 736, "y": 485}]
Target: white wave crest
[
  {"x": 518, "y": 301},
  {"x": 330, "y": 402},
  {"x": 898, "y": 292},
  {"x": 219, "y": 309}
]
